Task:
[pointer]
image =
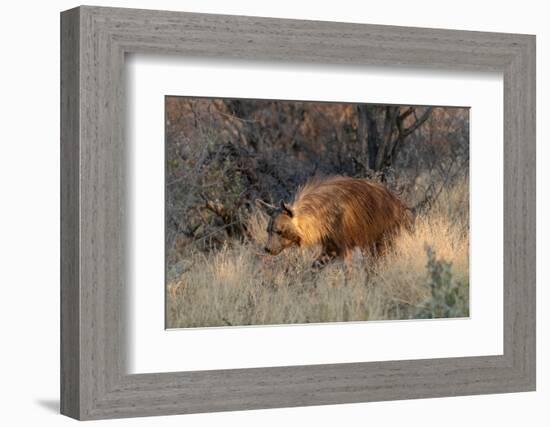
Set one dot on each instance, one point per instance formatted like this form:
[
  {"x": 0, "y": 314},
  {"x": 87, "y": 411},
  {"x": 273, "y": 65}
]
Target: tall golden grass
[{"x": 240, "y": 285}]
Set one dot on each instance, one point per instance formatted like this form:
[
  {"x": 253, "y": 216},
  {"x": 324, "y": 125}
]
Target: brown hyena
[{"x": 338, "y": 213}]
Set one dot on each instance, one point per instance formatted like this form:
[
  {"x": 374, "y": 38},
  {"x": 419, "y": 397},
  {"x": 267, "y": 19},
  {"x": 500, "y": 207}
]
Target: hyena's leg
[
  {"x": 329, "y": 252},
  {"x": 323, "y": 260}
]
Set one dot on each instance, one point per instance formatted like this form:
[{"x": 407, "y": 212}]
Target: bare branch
[
  {"x": 362, "y": 124},
  {"x": 419, "y": 122},
  {"x": 406, "y": 114},
  {"x": 383, "y": 149}
]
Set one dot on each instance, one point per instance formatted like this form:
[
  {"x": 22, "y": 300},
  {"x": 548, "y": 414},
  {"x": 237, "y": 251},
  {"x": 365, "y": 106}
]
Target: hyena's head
[{"x": 281, "y": 231}]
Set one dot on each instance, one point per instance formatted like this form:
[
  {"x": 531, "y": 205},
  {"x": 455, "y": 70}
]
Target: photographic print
[{"x": 295, "y": 212}]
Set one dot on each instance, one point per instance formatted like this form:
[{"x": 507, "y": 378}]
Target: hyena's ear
[
  {"x": 267, "y": 207},
  {"x": 286, "y": 209}
]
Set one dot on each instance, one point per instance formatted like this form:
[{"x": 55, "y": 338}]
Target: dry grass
[{"x": 239, "y": 285}]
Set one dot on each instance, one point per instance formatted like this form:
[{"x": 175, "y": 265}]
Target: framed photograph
[
  {"x": 261, "y": 213},
  {"x": 348, "y": 214}
]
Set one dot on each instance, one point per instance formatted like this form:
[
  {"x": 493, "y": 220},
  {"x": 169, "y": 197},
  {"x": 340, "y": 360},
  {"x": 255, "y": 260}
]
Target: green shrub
[{"x": 448, "y": 297}]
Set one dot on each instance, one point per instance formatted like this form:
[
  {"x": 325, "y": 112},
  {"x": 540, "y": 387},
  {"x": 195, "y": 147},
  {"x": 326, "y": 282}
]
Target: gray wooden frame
[{"x": 94, "y": 382}]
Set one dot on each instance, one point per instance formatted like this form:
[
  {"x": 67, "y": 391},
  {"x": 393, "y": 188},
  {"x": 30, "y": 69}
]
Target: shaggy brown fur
[{"x": 340, "y": 214}]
